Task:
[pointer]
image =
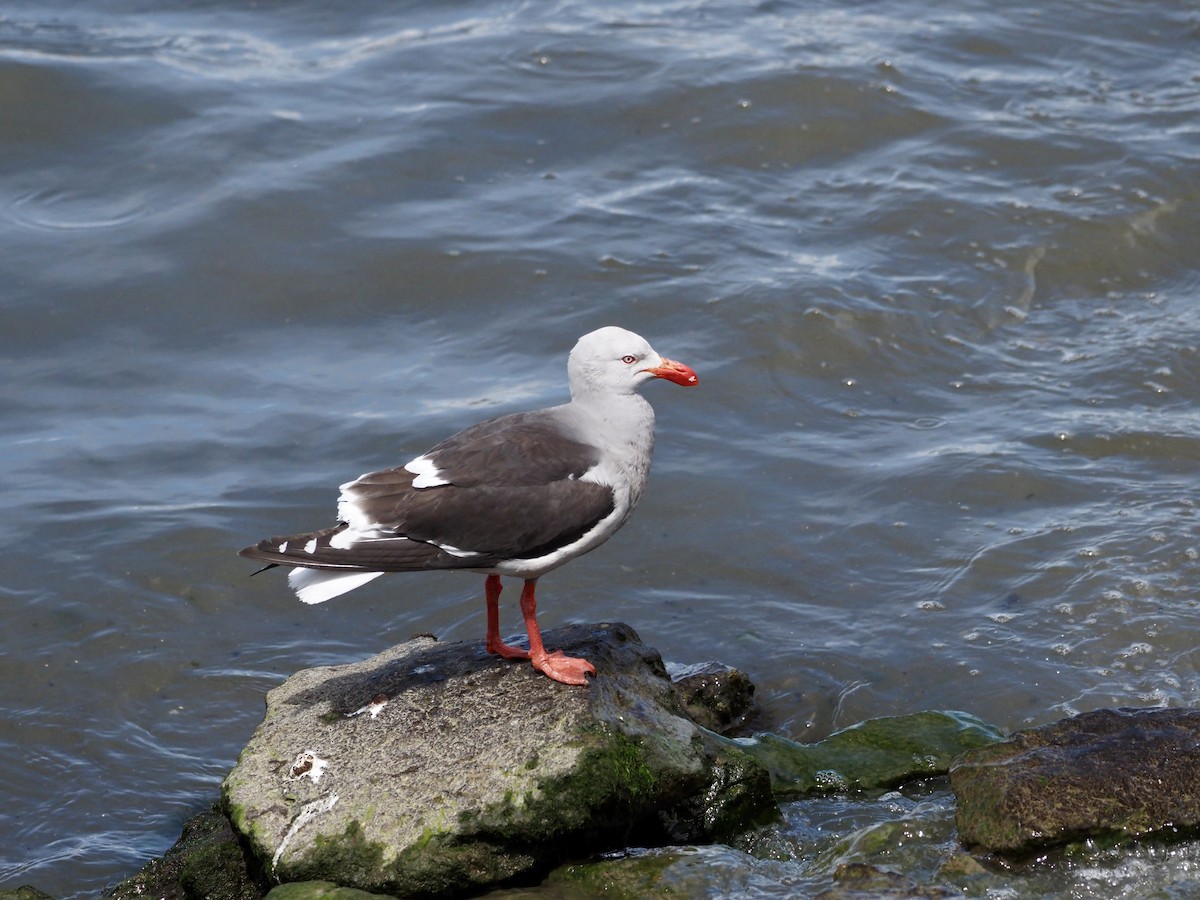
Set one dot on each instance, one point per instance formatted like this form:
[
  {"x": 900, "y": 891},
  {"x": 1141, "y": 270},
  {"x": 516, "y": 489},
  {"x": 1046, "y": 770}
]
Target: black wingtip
[{"x": 255, "y": 553}]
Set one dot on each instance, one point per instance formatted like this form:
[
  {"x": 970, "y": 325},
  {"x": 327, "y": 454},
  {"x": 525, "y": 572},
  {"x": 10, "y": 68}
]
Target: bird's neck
[
  {"x": 622, "y": 427},
  {"x": 619, "y": 418}
]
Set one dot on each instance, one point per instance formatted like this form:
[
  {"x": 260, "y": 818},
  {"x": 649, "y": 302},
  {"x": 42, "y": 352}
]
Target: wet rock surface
[
  {"x": 877, "y": 753},
  {"x": 1120, "y": 773},
  {"x": 855, "y": 881},
  {"x": 717, "y": 696},
  {"x": 24, "y": 892},
  {"x": 206, "y": 862},
  {"x": 726, "y": 872},
  {"x": 319, "y": 890},
  {"x": 436, "y": 769}
]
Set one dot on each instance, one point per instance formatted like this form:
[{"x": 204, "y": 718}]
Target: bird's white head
[{"x": 611, "y": 360}]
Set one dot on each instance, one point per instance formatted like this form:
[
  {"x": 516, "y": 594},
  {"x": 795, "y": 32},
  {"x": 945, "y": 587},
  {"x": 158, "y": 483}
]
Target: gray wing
[{"x": 508, "y": 488}]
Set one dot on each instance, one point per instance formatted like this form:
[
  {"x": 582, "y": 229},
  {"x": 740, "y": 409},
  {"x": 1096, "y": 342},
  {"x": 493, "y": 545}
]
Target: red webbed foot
[
  {"x": 563, "y": 668},
  {"x": 557, "y": 665}
]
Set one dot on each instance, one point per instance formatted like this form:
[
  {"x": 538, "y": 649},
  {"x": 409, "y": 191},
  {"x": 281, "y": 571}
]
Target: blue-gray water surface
[{"x": 936, "y": 265}]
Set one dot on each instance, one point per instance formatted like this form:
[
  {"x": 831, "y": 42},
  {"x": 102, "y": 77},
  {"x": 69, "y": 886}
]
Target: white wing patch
[
  {"x": 344, "y": 540},
  {"x": 349, "y": 512},
  {"x": 428, "y": 474},
  {"x": 319, "y": 585}
]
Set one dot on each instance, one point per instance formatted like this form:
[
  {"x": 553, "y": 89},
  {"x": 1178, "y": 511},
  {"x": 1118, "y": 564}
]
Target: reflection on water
[{"x": 936, "y": 269}]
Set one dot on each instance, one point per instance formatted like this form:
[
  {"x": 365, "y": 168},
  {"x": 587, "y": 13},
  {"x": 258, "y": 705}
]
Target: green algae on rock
[
  {"x": 878, "y": 753},
  {"x": 667, "y": 872},
  {"x": 206, "y": 861},
  {"x": 320, "y": 890},
  {"x": 24, "y": 892}
]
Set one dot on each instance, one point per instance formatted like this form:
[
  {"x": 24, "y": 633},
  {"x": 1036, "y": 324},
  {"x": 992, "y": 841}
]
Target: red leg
[
  {"x": 556, "y": 665},
  {"x": 492, "y": 643}
]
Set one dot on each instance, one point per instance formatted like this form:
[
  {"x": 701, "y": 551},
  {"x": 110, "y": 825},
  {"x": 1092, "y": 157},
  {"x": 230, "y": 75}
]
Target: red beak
[{"x": 674, "y": 371}]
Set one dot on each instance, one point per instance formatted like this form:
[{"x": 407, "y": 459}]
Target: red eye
[{"x": 629, "y": 360}]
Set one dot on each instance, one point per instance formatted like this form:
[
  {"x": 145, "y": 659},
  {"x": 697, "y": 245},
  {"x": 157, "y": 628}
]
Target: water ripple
[{"x": 64, "y": 210}]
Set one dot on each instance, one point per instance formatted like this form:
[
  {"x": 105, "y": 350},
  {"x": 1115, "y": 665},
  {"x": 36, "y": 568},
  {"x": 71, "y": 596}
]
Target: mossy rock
[
  {"x": 632, "y": 877},
  {"x": 714, "y": 870},
  {"x": 319, "y": 890},
  {"x": 24, "y": 892},
  {"x": 206, "y": 863},
  {"x": 878, "y": 753},
  {"x": 858, "y": 881}
]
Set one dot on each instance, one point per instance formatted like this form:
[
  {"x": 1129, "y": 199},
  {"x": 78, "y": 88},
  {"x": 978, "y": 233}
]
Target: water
[{"x": 935, "y": 267}]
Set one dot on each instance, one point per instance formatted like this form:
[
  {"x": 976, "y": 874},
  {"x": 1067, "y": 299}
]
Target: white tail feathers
[{"x": 319, "y": 585}]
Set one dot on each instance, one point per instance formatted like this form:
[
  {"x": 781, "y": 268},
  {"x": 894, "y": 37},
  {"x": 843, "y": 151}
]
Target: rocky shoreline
[{"x": 435, "y": 770}]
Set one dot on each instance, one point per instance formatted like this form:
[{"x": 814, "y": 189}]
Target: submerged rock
[
  {"x": 1123, "y": 773},
  {"x": 857, "y": 881},
  {"x": 437, "y": 769},
  {"x": 878, "y": 753},
  {"x": 668, "y": 872},
  {"x": 718, "y": 871}
]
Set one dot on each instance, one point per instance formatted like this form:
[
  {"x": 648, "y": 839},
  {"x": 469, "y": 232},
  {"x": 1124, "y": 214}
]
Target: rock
[
  {"x": 319, "y": 890},
  {"x": 436, "y": 769},
  {"x": 719, "y": 871},
  {"x": 1119, "y": 773},
  {"x": 878, "y": 753},
  {"x": 858, "y": 881},
  {"x": 631, "y": 876},
  {"x": 670, "y": 872},
  {"x": 961, "y": 866},
  {"x": 717, "y": 696},
  {"x": 24, "y": 892},
  {"x": 206, "y": 863}
]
